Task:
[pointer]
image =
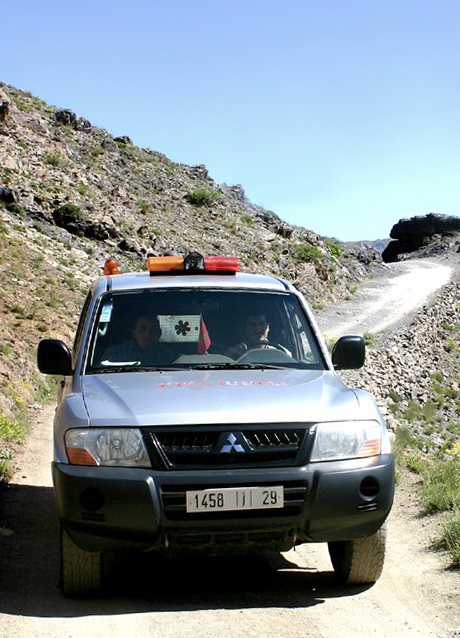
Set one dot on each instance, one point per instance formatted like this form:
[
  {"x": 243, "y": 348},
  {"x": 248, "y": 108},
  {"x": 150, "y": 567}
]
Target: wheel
[
  {"x": 359, "y": 561},
  {"x": 80, "y": 570}
]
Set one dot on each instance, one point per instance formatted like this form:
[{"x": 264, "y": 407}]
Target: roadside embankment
[{"x": 413, "y": 372}]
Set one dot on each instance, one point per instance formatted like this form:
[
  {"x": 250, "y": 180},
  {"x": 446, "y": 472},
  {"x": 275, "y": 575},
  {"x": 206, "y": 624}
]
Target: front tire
[
  {"x": 359, "y": 561},
  {"x": 80, "y": 570}
]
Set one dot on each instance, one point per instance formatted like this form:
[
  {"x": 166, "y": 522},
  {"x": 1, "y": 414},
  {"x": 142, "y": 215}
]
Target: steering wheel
[
  {"x": 256, "y": 352},
  {"x": 265, "y": 343}
]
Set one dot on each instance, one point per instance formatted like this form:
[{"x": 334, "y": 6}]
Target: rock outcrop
[{"x": 422, "y": 236}]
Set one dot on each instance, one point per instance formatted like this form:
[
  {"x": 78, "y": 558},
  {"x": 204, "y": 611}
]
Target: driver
[{"x": 255, "y": 335}]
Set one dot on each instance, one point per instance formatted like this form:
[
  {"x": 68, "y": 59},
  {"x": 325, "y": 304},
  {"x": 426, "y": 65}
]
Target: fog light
[
  {"x": 91, "y": 499},
  {"x": 369, "y": 487}
]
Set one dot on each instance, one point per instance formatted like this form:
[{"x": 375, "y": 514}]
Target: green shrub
[
  {"x": 10, "y": 430},
  {"x": 334, "y": 247},
  {"x": 69, "y": 212},
  {"x": 370, "y": 339},
  {"x": 415, "y": 463},
  {"x": 6, "y": 470},
  {"x": 405, "y": 440},
  {"x": 449, "y": 539},
  {"x": 6, "y": 349},
  {"x": 144, "y": 207},
  {"x": 440, "y": 490},
  {"x": 306, "y": 253},
  {"x": 202, "y": 197},
  {"x": 15, "y": 208},
  {"x": 53, "y": 158},
  {"x": 413, "y": 412},
  {"x": 394, "y": 396}
]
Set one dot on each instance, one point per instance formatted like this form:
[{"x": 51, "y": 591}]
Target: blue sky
[{"x": 341, "y": 116}]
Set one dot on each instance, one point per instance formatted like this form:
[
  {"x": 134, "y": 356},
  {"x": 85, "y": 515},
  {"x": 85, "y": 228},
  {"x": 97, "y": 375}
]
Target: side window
[
  {"x": 306, "y": 345},
  {"x": 81, "y": 323}
]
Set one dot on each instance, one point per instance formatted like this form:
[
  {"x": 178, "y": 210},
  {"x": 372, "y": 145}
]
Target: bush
[
  {"x": 53, "y": 158},
  {"x": 10, "y": 430},
  {"x": 370, "y": 339},
  {"x": 202, "y": 197},
  {"x": 144, "y": 207},
  {"x": 13, "y": 207},
  {"x": 6, "y": 470},
  {"x": 440, "y": 490},
  {"x": 449, "y": 539},
  {"x": 334, "y": 247},
  {"x": 68, "y": 213},
  {"x": 307, "y": 253}
]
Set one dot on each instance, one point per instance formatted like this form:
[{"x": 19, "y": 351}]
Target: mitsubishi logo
[{"x": 231, "y": 443}]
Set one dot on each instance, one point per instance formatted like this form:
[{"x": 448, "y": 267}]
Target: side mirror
[
  {"x": 349, "y": 353},
  {"x": 53, "y": 357}
]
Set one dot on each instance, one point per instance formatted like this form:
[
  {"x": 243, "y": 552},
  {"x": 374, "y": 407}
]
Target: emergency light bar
[
  {"x": 193, "y": 263},
  {"x": 111, "y": 267}
]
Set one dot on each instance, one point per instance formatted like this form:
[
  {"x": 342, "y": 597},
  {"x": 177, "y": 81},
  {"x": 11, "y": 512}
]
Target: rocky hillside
[
  {"x": 413, "y": 372},
  {"x": 72, "y": 194}
]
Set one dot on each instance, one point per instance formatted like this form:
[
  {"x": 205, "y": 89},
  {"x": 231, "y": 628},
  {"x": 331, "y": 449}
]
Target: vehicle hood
[{"x": 191, "y": 397}]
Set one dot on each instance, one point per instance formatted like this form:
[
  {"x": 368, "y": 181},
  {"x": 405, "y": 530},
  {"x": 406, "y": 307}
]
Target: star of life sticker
[{"x": 231, "y": 444}]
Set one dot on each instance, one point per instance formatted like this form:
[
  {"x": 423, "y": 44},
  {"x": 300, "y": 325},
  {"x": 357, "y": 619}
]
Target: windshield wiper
[
  {"x": 133, "y": 368},
  {"x": 236, "y": 366}
]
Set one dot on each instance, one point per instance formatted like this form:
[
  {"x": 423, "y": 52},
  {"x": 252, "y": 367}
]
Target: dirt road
[
  {"x": 293, "y": 596},
  {"x": 385, "y": 300}
]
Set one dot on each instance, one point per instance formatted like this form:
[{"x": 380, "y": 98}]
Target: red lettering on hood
[{"x": 200, "y": 384}]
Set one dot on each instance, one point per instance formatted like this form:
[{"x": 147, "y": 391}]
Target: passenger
[{"x": 143, "y": 347}]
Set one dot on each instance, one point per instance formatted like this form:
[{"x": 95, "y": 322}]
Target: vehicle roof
[{"x": 143, "y": 281}]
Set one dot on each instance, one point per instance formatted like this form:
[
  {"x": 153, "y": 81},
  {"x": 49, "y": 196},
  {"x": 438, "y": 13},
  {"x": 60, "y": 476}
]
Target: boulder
[
  {"x": 123, "y": 139},
  {"x": 8, "y": 195},
  {"x": 66, "y": 117},
  {"x": 425, "y": 226},
  {"x": 77, "y": 223},
  {"x": 415, "y": 235},
  {"x": 4, "y": 111}
]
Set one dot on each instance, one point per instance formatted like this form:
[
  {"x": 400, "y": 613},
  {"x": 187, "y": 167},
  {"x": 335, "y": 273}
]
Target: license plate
[{"x": 240, "y": 498}]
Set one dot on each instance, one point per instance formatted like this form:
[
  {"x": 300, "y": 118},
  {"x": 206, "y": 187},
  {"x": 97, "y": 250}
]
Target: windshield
[{"x": 164, "y": 329}]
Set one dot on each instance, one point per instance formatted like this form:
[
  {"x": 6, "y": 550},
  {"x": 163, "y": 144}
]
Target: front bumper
[{"x": 116, "y": 509}]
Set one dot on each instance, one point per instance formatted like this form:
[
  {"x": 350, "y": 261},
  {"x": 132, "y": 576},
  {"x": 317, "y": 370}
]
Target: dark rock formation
[
  {"x": 123, "y": 139},
  {"x": 417, "y": 233},
  {"x": 4, "y": 111},
  {"x": 8, "y": 195},
  {"x": 364, "y": 252},
  {"x": 77, "y": 223},
  {"x": 66, "y": 117}
]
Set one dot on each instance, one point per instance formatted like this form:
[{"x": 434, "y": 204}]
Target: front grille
[
  {"x": 174, "y": 503},
  {"x": 271, "y": 439},
  {"x": 236, "y": 446}
]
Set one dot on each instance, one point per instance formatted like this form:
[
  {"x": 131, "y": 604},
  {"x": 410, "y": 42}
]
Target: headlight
[
  {"x": 347, "y": 440},
  {"x": 99, "y": 446}
]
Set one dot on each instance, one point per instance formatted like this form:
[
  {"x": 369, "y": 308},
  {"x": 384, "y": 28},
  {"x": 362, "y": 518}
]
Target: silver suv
[{"x": 199, "y": 410}]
